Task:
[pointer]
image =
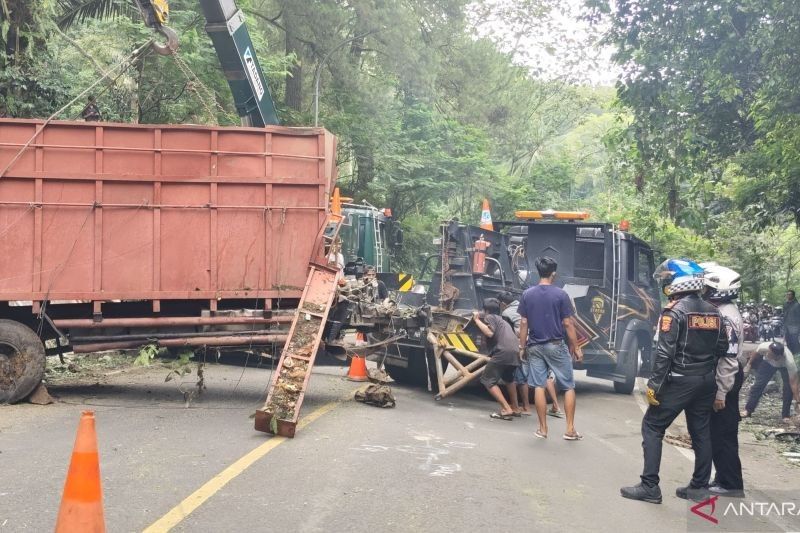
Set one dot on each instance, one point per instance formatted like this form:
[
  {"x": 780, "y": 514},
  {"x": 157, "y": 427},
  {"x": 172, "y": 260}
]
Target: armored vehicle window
[
  {"x": 644, "y": 266},
  {"x": 589, "y": 258}
]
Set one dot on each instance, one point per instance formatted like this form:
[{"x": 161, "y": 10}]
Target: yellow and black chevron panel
[
  {"x": 404, "y": 282},
  {"x": 461, "y": 341}
]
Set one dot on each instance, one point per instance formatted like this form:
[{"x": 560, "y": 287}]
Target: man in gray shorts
[
  {"x": 502, "y": 345},
  {"x": 547, "y": 322}
]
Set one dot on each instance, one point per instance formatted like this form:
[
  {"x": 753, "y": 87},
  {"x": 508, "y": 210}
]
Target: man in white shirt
[{"x": 777, "y": 358}]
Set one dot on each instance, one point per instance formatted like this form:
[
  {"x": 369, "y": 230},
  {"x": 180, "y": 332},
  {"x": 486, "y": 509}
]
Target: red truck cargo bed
[{"x": 102, "y": 211}]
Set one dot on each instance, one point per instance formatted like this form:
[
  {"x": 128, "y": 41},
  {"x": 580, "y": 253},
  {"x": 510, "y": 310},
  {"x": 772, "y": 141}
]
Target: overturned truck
[
  {"x": 117, "y": 235},
  {"x": 606, "y": 270}
]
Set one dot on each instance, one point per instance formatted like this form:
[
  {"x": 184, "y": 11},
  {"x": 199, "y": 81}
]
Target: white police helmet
[{"x": 724, "y": 282}]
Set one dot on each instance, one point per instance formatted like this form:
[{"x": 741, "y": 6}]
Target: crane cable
[
  {"x": 123, "y": 66},
  {"x": 193, "y": 83}
]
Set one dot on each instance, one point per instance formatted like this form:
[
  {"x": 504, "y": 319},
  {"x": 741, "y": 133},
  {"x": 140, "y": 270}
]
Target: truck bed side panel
[{"x": 102, "y": 211}]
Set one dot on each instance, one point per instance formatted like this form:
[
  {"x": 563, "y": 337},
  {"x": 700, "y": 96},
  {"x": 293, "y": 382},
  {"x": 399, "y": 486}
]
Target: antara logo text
[{"x": 707, "y": 509}]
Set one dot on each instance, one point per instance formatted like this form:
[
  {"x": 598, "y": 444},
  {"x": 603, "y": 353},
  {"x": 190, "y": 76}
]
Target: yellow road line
[{"x": 201, "y": 495}]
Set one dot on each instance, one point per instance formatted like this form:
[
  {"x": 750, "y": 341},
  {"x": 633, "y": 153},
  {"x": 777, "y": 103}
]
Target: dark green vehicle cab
[{"x": 368, "y": 235}]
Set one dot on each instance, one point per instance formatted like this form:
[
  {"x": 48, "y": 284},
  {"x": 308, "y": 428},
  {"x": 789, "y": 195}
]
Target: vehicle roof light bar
[{"x": 549, "y": 214}]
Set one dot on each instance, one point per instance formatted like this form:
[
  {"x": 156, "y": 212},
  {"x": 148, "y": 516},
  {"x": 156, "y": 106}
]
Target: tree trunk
[
  {"x": 672, "y": 199},
  {"x": 293, "y": 99},
  {"x": 365, "y": 167}
]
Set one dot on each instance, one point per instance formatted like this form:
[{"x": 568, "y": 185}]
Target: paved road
[{"x": 421, "y": 466}]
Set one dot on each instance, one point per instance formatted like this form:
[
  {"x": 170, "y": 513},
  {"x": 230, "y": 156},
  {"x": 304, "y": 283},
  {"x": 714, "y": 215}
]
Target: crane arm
[{"x": 226, "y": 27}]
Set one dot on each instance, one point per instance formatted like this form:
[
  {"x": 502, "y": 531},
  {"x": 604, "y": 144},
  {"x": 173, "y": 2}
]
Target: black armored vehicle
[{"x": 606, "y": 271}]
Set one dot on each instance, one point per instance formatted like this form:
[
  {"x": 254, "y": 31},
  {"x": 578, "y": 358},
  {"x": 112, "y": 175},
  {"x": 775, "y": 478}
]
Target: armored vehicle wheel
[
  {"x": 22, "y": 360},
  {"x": 630, "y": 368}
]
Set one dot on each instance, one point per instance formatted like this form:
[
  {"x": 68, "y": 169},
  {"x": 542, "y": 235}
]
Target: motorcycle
[
  {"x": 769, "y": 328},
  {"x": 765, "y": 329},
  {"x": 749, "y": 332}
]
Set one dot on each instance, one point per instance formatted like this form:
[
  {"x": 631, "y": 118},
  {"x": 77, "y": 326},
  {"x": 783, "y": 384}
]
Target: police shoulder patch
[
  {"x": 698, "y": 321},
  {"x": 666, "y": 323}
]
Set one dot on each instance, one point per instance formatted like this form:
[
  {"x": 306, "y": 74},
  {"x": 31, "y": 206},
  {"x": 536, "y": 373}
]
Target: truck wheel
[
  {"x": 22, "y": 360},
  {"x": 630, "y": 369}
]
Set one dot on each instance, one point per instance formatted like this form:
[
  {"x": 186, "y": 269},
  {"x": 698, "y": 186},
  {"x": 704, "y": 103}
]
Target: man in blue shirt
[{"x": 547, "y": 322}]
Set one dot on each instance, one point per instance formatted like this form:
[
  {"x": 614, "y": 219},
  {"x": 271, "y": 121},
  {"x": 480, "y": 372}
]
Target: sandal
[
  {"x": 516, "y": 414},
  {"x": 555, "y": 414},
  {"x": 540, "y": 435},
  {"x": 501, "y": 416},
  {"x": 573, "y": 436}
]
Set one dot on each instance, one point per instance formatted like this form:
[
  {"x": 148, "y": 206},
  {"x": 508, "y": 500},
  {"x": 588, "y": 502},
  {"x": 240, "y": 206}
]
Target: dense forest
[{"x": 439, "y": 103}]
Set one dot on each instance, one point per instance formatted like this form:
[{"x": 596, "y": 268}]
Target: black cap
[{"x": 776, "y": 347}]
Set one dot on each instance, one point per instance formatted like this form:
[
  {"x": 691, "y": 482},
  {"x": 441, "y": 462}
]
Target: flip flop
[
  {"x": 526, "y": 413},
  {"x": 573, "y": 436},
  {"x": 499, "y": 416},
  {"x": 540, "y": 435},
  {"x": 555, "y": 414},
  {"x": 516, "y": 415}
]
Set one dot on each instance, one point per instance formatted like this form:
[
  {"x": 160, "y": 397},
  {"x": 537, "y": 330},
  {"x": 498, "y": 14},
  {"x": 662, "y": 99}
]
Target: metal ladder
[
  {"x": 378, "y": 245},
  {"x": 281, "y": 410},
  {"x": 615, "y": 286}
]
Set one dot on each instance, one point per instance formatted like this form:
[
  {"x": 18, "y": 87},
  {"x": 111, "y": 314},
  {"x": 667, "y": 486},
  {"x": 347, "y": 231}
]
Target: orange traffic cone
[
  {"x": 486, "y": 216},
  {"x": 82, "y": 504},
  {"x": 336, "y": 202},
  {"x": 358, "y": 369}
]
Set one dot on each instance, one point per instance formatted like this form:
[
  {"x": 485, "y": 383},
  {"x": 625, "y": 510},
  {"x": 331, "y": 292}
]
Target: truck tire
[
  {"x": 22, "y": 361},
  {"x": 630, "y": 369}
]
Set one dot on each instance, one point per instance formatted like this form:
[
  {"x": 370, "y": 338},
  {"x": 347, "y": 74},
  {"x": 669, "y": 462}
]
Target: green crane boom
[{"x": 228, "y": 32}]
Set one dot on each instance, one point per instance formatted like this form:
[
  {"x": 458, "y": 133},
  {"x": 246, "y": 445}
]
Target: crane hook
[{"x": 169, "y": 47}]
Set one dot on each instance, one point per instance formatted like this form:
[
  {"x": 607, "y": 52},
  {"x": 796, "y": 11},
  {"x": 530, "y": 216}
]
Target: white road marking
[{"x": 428, "y": 453}]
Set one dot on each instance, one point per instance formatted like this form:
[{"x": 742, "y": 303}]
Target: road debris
[
  {"x": 377, "y": 393},
  {"x": 40, "y": 396}
]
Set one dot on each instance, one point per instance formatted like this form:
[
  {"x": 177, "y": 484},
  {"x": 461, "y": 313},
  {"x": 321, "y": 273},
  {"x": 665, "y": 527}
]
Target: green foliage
[
  {"x": 147, "y": 353},
  {"x": 711, "y": 130},
  {"x": 180, "y": 366},
  {"x": 74, "y": 11}
]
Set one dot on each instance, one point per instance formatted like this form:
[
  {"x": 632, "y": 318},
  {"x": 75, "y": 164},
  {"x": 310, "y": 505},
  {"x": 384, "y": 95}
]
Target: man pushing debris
[{"x": 500, "y": 369}]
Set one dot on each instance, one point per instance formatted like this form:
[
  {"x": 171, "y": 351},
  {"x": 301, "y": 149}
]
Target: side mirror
[{"x": 398, "y": 238}]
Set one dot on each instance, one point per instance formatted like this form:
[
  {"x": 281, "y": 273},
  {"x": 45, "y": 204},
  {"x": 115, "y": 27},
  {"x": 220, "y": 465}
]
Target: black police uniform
[{"x": 691, "y": 338}]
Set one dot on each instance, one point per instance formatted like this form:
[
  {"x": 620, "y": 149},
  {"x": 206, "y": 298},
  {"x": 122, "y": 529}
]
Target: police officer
[
  {"x": 722, "y": 288},
  {"x": 691, "y": 338}
]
